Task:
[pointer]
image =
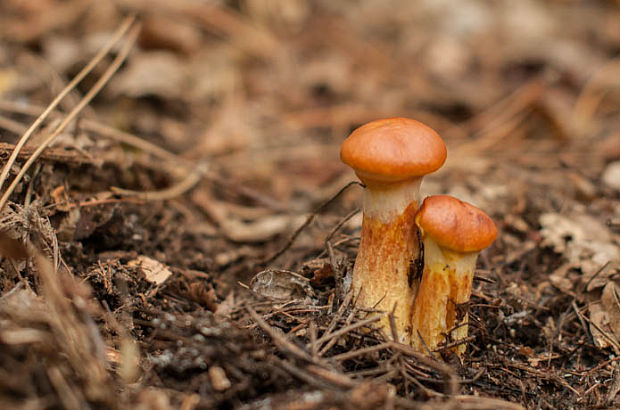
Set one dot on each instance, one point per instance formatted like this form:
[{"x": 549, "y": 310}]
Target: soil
[{"x": 183, "y": 239}]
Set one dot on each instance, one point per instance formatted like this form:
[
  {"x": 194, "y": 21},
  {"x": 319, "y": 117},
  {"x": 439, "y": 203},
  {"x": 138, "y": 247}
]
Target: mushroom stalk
[
  {"x": 440, "y": 311},
  {"x": 453, "y": 234},
  {"x": 383, "y": 272}
]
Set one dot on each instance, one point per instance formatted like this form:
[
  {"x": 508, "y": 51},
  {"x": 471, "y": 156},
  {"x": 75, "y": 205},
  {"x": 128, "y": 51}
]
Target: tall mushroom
[
  {"x": 453, "y": 233},
  {"x": 390, "y": 156}
]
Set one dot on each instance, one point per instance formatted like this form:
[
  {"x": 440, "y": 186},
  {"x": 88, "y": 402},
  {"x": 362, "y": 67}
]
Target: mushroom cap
[
  {"x": 393, "y": 150},
  {"x": 455, "y": 225}
]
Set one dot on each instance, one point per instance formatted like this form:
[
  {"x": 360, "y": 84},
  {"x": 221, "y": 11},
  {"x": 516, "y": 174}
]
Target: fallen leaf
[
  {"x": 559, "y": 278},
  {"x": 281, "y": 285},
  {"x": 582, "y": 240},
  {"x": 599, "y": 327},
  {"x": 153, "y": 270},
  {"x": 611, "y": 304},
  {"x": 322, "y": 275}
]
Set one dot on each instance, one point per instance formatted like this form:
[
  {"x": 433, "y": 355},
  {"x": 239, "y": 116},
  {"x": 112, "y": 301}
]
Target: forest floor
[{"x": 184, "y": 237}]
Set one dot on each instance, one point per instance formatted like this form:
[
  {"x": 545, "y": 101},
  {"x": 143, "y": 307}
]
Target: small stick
[
  {"x": 313, "y": 345},
  {"x": 432, "y": 363},
  {"x": 301, "y": 374},
  {"x": 280, "y": 341},
  {"x": 347, "y": 329},
  {"x": 341, "y": 223},
  {"x": 393, "y": 324},
  {"x": 456, "y": 343},
  {"x": 338, "y": 379},
  {"x": 338, "y": 315},
  {"x": 355, "y": 353},
  {"x": 428, "y": 350},
  {"x": 185, "y": 185},
  {"x": 333, "y": 341}
]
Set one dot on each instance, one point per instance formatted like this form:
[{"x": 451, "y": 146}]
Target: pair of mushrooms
[{"x": 390, "y": 157}]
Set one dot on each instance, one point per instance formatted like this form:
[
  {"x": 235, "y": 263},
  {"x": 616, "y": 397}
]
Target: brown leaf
[
  {"x": 322, "y": 275},
  {"x": 281, "y": 285},
  {"x": 599, "y": 327},
  {"x": 153, "y": 270},
  {"x": 611, "y": 304},
  {"x": 583, "y": 240}
]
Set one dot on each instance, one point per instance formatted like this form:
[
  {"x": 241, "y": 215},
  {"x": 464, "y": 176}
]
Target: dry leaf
[
  {"x": 153, "y": 270},
  {"x": 323, "y": 275},
  {"x": 611, "y": 304},
  {"x": 599, "y": 327},
  {"x": 559, "y": 280},
  {"x": 582, "y": 240},
  {"x": 281, "y": 285}
]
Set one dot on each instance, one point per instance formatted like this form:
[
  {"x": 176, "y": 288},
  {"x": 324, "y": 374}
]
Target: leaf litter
[{"x": 185, "y": 242}]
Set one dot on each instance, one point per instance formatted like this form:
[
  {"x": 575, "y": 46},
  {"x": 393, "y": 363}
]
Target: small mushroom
[
  {"x": 453, "y": 233},
  {"x": 390, "y": 157}
]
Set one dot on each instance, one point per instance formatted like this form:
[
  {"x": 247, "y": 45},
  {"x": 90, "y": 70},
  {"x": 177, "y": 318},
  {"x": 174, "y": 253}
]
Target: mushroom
[
  {"x": 390, "y": 156},
  {"x": 453, "y": 234}
]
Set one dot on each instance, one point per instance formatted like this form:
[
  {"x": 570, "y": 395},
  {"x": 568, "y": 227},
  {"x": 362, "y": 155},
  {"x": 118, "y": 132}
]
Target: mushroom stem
[
  {"x": 440, "y": 309},
  {"x": 383, "y": 272},
  {"x": 453, "y": 234}
]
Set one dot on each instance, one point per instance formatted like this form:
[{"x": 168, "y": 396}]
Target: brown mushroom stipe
[
  {"x": 390, "y": 157},
  {"x": 453, "y": 233}
]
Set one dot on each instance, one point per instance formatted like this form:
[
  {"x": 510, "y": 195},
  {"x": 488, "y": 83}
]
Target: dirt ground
[{"x": 175, "y": 232}]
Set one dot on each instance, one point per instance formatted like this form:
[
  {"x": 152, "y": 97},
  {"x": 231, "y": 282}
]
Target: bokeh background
[
  {"x": 271, "y": 87},
  {"x": 251, "y": 100}
]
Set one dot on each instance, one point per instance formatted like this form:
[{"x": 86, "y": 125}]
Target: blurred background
[
  {"x": 271, "y": 87},
  {"x": 251, "y": 100}
]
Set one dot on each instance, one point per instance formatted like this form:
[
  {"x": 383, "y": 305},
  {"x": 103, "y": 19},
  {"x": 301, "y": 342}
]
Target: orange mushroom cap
[
  {"x": 455, "y": 225},
  {"x": 393, "y": 150}
]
